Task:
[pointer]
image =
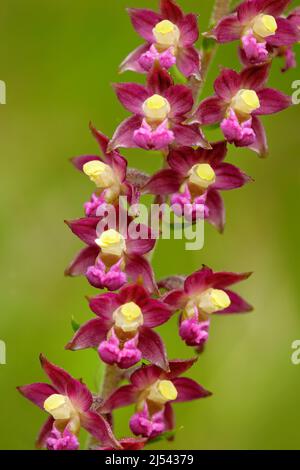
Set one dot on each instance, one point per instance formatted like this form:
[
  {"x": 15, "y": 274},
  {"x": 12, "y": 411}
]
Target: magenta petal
[
  {"x": 215, "y": 205},
  {"x": 44, "y": 433},
  {"x": 133, "y": 293},
  {"x": 287, "y": 34},
  {"x": 155, "y": 313},
  {"x": 227, "y": 84},
  {"x": 59, "y": 377},
  {"x": 85, "y": 229},
  {"x": 104, "y": 305},
  {"x": 145, "y": 376},
  {"x": 123, "y": 137},
  {"x": 121, "y": 397},
  {"x": 222, "y": 280},
  {"x": 272, "y": 101},
  {"x": 158, "y": 80},
  {"x": 238, "y": 304},
  {"x": 37, "y": 393},
  {"x": 140, "y": 246},
  {"x": 89, "y": 335},
  {"x": 131, "y": 62},
  {"x": 79, "y": 162},
  {"x": 294, "y": 16},
  {"x": 181, "y": 160},
  {"x": 153, "y": 348},
  {"x": 164, "y": 182},
  {"x": 273, "y": 7},
  {"x": 132, "y": 96},
  {"x": 179, "y": 367},
  {"x": 171, "y": 11},
  {"x": 80, "y": 395},
  {"x": 101, "y": 139},
  {"x": 132, "y": 443},
  {"x": 188, "y": 61},
  {"x": 229, "y": 177},
  {"x": 169, "y": 417},
  {"x": 189, "y": 31},
  {"x": 255, "y": 77},
  {"x": 181, "y": 100},
  {"x": 215, "y": 155},
  {"x": 143, "y": 21},
  {"x": 248, "y": 9},
  {"x": 140, "y": 270},
  {"x": 197, "y": 281},
  {"x": 211, "y": 111},
  {"x": 99, "y": 428},
  {"x": 228, "y": 29},
  {"x": 83, "y": 261},
  {"x": 189, "y": 390},
  {"x": 260, "y": 145},
  {"x": 176, "y": 299},
  {"x": 189, "y": 136}
]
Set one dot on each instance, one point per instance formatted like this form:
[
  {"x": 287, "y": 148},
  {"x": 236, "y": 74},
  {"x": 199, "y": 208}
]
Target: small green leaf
[
  {"x": 75, "y": 325},
  {"x": 212, "y": 127},
  {"x": 208, "y": 43}
]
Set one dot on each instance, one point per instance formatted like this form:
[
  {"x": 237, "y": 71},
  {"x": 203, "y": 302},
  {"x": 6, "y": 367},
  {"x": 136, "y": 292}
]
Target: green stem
[
  {"x": 112, "y": 378},
  {"x": 221, "y": 8}
]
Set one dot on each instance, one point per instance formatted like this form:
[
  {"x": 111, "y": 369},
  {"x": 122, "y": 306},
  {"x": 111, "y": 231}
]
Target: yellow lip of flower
[
  {"x": 264, "y": 25},
  {"x": 246, "y": 101},
  {"x": 111, "y": 242},
  {"x": 100, "y": 173},
  {"x": 213, "y": 300},
  {"x": 166, "y": 34},
  {"x": 162, "y": 391},
  {"x": 59, "y": 406},
  {"x": 156, "y": 108},
  {"x": 202, "y": 175},
  {"x": 128, "y": 317}
]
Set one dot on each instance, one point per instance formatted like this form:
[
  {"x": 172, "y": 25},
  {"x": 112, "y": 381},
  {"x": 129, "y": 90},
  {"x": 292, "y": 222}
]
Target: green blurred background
[{"x": 58, "y": 58}]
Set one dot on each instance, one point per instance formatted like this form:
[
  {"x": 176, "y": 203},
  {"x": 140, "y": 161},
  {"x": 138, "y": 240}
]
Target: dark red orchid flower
[
  {"x": 195, "y": 179},
  {"x": 154, "y": 391},
  {"x": 123, "y": 330},
  {"x": 69, "y": 404}
]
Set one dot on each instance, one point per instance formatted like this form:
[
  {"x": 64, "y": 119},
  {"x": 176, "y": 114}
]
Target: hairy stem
[
  {"x": 221, "y": 8},
  {"x": 112, "y": 378}
]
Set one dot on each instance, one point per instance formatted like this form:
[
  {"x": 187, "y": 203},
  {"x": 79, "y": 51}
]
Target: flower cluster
[{"x": 165, "y": 116}]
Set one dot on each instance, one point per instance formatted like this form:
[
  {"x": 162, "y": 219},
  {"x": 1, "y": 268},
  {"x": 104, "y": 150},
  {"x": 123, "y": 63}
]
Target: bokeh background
[{"x": 58, "y": 58}]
